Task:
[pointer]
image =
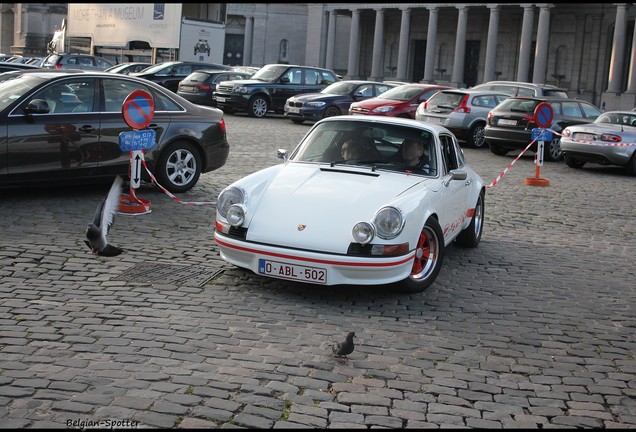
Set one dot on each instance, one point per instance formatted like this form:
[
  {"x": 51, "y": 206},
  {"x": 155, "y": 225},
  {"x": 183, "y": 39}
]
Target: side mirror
[
  {"x": 37, "y": 106},
  {"x": 282, "y": 154},
  {"x": 284, "y": 80}
]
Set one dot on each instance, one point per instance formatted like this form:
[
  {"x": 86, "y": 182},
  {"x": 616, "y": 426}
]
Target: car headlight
[
  {"x": 389, "y": 222},
  {"x": 236, "y": 214},
  {"x": 240, "y": 89},
  {"x": 363, "y": 232},
  {"x": 383, "y": 109},
  {"x": 315, "y": 104},
  {"x": 229, "y": 196}
]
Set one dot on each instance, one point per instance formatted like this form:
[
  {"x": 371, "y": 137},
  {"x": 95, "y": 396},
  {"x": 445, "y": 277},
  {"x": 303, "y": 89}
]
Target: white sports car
[{"x": 328, "y": 216}]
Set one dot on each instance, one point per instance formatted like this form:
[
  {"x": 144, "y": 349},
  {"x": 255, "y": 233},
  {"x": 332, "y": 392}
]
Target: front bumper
[{"x": 341, "y": 269}]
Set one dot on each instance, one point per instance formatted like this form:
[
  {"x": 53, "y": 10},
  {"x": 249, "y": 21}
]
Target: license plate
[
  {"x": 434, "y": 120},
  {"x": 292, "y": 271},
  {"x": 220, "y": 99},
  {"x": 187, "y": 88},
  {"x": 584, "y": 137},
  {"x": 293, "y": 110},
  {"x": 506, "y": 122}
]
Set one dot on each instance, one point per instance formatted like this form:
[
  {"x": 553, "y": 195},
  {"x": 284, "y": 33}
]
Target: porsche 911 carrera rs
[{"x": 330, "y": 216}]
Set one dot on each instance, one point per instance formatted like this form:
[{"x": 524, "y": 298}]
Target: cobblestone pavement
[{"x": 535, "y": 328}]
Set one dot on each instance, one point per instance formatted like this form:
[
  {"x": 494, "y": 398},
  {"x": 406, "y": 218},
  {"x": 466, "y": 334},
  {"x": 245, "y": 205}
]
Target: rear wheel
[
  {"x": 573, "y": 163},
  {"x": 499, "y": 151},
  {"x": 179, "y": 167},
  {"x": 297, "y": 121},
  {"x": 331, "y": 111},
  {"x": 476, "y": 136},
  {"x": 427, "y": 262},
  {"x": 257, "y": 107}
]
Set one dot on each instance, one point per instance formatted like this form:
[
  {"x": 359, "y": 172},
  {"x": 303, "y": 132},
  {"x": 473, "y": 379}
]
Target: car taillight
[
  {"x": 203, "y": 87},
  {"x": 528, "y": 117},
  {"x": 567, "y": 132},
  {"x": 490, "y": 118},
  {"x": 222, "y": 125},
  {"x": 610, "y": 138},
  {"x": 462, "y": 108}
]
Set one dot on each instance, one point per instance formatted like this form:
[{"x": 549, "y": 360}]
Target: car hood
[{"x": 316, "y": 206}]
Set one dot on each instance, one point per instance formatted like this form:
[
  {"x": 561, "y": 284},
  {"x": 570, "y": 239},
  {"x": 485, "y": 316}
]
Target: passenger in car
[
  {"x": 351, "y": 149},
  {"x": 415, "y": 154}
]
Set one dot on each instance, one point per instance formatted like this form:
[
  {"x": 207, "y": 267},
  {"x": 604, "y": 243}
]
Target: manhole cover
[{"x": 166, "y": 273}]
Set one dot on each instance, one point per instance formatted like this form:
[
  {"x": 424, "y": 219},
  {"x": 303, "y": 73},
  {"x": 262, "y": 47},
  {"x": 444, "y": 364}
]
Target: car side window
[
  {"x": 449, "y": 154},
  {"x": 294, "y": 75},
  {"x": 379, "y": 89},
  {"x": 525, "y": 92},
  {"x": 590, "y": 111},
  {"x": 365, "y": 90},
  {"x": 116, "y": 91},
  {"x": 327, "y": 78},
  {"x": 571, "y": 109},
  {"x": 312, "y": 77}
]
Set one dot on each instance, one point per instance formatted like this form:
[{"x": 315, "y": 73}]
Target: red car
[{"x": 401, "y": 101}]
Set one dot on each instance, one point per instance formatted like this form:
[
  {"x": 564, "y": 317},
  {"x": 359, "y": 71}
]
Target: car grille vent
[
  {"x": 296, "y": 104},
  {"x": 357, "y": 249},
  {"x": 238, "y": 232},
  {"x": 225, "y": 88}
]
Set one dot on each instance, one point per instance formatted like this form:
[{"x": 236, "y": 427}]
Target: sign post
[
  {"x": 543, "y": 115},
  {"x": 138, "y": 110}
]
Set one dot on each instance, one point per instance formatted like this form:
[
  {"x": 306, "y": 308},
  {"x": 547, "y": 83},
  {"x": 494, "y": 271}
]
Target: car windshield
[
  {"x": 378, "y": 146},
  {"x": 445, "y": 100},
  {"x": 14, "y": 87},
  {"x": 158, "y": 67},
  {"x": 555, "y": 93},
  {"x": 621, "y": 118},
  {"x": 339, "y": 88},
  {"x": 518, "y": 105},
  {"x": 401, "y": 93},
  {"x": 269, "y": 73}
]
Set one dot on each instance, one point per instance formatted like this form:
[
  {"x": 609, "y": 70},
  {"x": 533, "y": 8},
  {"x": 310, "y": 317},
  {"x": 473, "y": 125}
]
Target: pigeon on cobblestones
[
  {"x": 343, "y": 349},
  {"x": 104, "y": 216}
]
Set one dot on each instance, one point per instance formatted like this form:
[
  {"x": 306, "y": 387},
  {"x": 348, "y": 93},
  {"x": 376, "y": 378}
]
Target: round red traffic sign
[
  {"x": 138, "y": 109},
  {"x": 543, "y": 115}
]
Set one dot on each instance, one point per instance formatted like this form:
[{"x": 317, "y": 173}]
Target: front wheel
[
  {"x": 573, "y": 163},
  {"x": 258, "y": 107},
  {"x": 298, "y": 121},
  {"x": 499, "y": 151},
  {"x": 427, "y": 262},
  {"x": 178, "y": 167},
  {"x": 331, "y": 112},
  {"x": 553, "y": 151},
  {"x": 471, "y": 236},
  {"x": 476, "y": 136}
]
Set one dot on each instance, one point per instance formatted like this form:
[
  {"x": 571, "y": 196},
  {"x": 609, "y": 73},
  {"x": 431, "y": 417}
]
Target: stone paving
[{"x": 535, "y": 328}]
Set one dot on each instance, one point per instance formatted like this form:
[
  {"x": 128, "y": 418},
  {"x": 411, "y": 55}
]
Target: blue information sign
[
  {"x": 541, "y": 134},
  {"x": 137, "y": 140}
]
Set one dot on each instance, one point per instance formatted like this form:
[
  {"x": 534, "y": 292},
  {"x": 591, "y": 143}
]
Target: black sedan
[
  {"x": 199, "y": 85},
  {"x": 169, "y": 74},
  {"x": 64, "y": 128},
  {"x": 333, "y": 100}
]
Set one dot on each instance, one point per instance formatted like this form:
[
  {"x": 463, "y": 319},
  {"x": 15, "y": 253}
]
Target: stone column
[
  {"x": 354, "y": 46},
  {"x": 431, "y": 46},
  {"x": 631, "y": 83},
  {"x": 247, "y": 45},
  {"x": 403, "y": 49},
  {"x": 541, "y": 52},
  {"x": 523, "y": 68},
  {"x": 457, "y": 78},
  {"x": 378, "y": 45},
  {"x": 323, "y": 37},
  {"x": 491, "y": 45},
  {"x": 331, "y": 40},
  {"x": 618, "y": 48}
]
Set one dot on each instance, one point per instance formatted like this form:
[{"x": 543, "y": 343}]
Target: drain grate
[{"x": 166, "y": 273}]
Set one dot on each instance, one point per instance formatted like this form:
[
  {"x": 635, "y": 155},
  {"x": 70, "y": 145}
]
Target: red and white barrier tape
[
  {"x": 510, "y": 165},
  {"x": 154, "y": 180}
]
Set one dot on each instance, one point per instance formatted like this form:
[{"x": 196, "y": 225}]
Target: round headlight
[
  {"x": 236, "y": 215},
  {"x": 389, "y": 222},
  {"x": 363, "y": 232},
  {"x": 229, "y": 196}
]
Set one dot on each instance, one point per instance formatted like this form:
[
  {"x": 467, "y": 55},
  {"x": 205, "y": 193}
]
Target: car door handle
[
  {"x": 153, "y": 126},
  {"x": 86, "y": 129}
]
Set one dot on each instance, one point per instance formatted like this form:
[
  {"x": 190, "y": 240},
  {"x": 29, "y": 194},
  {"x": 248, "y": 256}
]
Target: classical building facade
[{"x": 587, "y": 48}]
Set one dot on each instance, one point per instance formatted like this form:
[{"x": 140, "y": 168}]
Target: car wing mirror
[
  {"x": 37, "y": 106},
  {"x": 284, "y": 80},
  {"x": 456, "y": 174},
  {"x": 282, "y": 154}
]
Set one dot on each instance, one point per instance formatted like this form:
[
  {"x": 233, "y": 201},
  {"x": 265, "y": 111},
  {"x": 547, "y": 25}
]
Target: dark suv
[
  {"x": 169, "y": 74},
  {"x": 509, "y": 125},
  {"x": 270, "y": 87}
]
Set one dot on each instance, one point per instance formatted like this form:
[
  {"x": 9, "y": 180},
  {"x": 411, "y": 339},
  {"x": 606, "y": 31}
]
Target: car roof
[
  {"x": 521, "y": 83},
  {"x": 301, "y": 66},
  {"x": 399, "y": 121},
  {"x": 472, "y": 91}
]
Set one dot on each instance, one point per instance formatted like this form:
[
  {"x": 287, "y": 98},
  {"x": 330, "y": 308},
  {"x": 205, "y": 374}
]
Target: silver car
[
  {"x": 462, "y": 111},
  {"x": 609, "y": 140}
]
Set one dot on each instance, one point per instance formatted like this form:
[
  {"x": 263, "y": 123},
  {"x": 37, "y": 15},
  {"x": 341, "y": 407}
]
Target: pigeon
[
  {"x": 104, "y": 215},
  {"x": 342, "y": 349}
]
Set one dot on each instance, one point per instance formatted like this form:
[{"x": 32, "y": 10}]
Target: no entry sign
[
  {"x": 138, "y": 109},
  {"x": 543, "y": 115}
]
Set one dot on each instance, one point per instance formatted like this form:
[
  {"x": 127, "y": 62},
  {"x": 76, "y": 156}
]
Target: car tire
[
  {"x": 471, "y": 236},
  {"x": 499, "y": 151},
  {"x": 573, "y": 163},
  {"x": 631, "y": 166},
  {"x": 552, "y": 150},
  {"x": 178, "y": 167},
  {"x": 331, "y": 112},
  {"x": 258, "y": 107},
  {"x": 297, "y": 121},
  {"x": 476, "y": 136},
  {"x": 427, "y": 262}
]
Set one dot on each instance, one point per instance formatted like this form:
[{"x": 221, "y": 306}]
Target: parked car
[
  {"x": 76, "y": 138},
  {"x": 170, "y": 74},
  {"x": 401, "y": 101},
  {"x": 461, "y": 111},
  {"x": 333, "y": 100},
  {"x": 510, "y": 123},
  {"x": 8, "y": 67},
  {"x": 76, "y": 61},
  {"x": 520, "y": 88},
  {"x": 247, "y": 69},
  {"x": 127, "y": 68},
  {"x": 35, "y": 61},
  {"x": 270, "y": 87},
  {"x": 199, "y": 85},
  {"x": 608, "y": 140},
  {"x": 370, "y": 221}
]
